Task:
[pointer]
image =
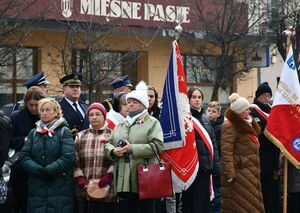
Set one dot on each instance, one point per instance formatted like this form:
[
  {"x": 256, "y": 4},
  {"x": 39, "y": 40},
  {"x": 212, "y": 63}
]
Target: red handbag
[{"x": 154, "y": 180}]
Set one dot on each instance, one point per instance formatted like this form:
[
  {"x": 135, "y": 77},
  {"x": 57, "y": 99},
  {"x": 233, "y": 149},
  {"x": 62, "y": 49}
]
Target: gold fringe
[{"x": 282, "y": 148}]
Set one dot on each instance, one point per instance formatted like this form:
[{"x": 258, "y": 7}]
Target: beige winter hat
[{"x": 237, "y": 103}]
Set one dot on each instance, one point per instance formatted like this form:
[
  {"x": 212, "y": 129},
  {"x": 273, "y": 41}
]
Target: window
[
  {"x": 199, "y": 69},
  {"x": 17, "y": 66},
  {"x": 100, "y": 68}
]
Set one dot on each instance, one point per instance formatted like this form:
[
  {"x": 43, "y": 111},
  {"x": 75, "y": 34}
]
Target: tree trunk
[{"x": 215, "y": 93}]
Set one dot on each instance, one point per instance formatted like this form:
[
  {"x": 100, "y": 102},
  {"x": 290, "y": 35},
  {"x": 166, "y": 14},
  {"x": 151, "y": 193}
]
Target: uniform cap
[
  {"x": 36, "y": 80},
  {"x": 71, "y": 80}
]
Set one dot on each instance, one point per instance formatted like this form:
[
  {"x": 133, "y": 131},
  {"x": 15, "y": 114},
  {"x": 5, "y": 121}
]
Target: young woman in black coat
[{"x": 197, "y": 197}]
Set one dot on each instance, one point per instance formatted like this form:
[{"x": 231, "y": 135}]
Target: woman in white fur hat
[
  {"x": 129, "y": 146},
  {"x": 240, "y": 180}
]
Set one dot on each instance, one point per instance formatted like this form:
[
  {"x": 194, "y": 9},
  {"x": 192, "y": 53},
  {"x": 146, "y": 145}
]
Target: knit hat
[
  {"x": 97, "y": 106},
  {"x": 263, "y": 88},
  {"x": 140, "y": 93},
  {"x": 238, "y": 104}
]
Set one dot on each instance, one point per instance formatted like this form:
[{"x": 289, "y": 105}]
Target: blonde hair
[
  {"x": 53, "y": 103},
  {"x": 215, "y": 104}
]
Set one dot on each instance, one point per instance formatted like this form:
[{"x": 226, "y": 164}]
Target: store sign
[{"x": 131, "y": 10}]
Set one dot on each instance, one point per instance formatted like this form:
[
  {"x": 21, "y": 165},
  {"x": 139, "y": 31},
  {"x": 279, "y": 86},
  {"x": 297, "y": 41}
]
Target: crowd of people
[{"x": 74, "y": 157}]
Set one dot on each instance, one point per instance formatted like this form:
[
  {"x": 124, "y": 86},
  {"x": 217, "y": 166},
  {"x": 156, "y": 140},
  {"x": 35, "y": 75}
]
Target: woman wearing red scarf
[
  {"x": 240, "y": 178},
  {"x": 48, "y": 158}
]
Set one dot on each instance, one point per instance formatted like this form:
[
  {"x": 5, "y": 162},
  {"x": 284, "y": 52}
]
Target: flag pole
[
  {"x": 178, "y": 28},
  {"x": 289, "y": 33}
]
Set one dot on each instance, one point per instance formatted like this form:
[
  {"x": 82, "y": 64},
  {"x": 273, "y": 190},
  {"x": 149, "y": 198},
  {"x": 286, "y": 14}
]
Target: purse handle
[{"x": 156, "y": 154}]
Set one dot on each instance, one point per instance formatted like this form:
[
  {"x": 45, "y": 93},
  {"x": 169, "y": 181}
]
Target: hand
[
  {"x": 119, "y": 151},
  {"x": 81, "y": 182},
  {"x": 128, "y": 147},
  {"x": 105, "y": 180}
]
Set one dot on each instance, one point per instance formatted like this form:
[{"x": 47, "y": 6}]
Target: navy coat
[{"x": 71, "y": 116}]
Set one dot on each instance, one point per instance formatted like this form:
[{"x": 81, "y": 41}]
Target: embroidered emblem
[{"x": 296, "y": 144}]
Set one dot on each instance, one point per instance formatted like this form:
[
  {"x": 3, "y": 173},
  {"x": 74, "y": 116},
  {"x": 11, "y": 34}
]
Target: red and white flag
[
  {"x": 176, "y": 121},
  {"x": 283, "y": 127}
]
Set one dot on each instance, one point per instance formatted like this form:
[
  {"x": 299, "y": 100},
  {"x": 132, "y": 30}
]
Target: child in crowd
[{"x": 213, "y": 112}]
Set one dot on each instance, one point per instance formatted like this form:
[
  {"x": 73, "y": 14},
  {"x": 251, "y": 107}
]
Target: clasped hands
[{"x": 121, "y": 151}]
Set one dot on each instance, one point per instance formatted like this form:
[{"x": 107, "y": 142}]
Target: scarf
[
  {"x": 49, "y": 128},
  {"x": 131, "y": 120}
]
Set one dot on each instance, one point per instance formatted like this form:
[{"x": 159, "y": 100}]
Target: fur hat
[
  {"x": 97, "y": 106},
  {"x": 238, "y": 104},
  {"x": 140, "y": 93},
  {"x": 263, "y": 88}
]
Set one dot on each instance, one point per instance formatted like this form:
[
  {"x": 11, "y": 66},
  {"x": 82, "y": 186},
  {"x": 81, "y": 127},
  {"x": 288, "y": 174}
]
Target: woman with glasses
[
  {"x": 48, "y": 157},
  {"x": 92, "y": 165}
]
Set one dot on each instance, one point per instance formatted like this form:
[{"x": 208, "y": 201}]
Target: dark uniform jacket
[{"x": 72, "y": 118}]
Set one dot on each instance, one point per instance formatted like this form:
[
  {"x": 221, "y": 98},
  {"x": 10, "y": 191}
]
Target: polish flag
[
  {"x": 283, "y": 127},
  {"x": 176, "y": 121}
]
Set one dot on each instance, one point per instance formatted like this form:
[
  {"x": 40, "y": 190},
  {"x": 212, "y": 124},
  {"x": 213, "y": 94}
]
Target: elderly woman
[
  {"x": 91, "y": 164},
  {"x": 48, "y": 158},
  {"x": 240, "y": 180},
  {"x": 139, "y": 131},
  {"x": 23, "y": 121}
]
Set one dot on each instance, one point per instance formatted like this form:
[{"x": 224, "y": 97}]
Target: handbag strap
[{"x": 156, "y": 153}]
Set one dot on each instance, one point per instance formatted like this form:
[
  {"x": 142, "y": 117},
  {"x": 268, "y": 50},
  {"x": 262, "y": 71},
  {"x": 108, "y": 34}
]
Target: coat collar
[{"x": 241, "y": 125}]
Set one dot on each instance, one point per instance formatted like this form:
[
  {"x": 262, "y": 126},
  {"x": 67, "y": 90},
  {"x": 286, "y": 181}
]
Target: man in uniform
[
  {"x": 269, "y": 153},
  {"x": 37, "y": 80},
  {"x": 74, "y": 111},
  {"x": 119, "y": 85}
]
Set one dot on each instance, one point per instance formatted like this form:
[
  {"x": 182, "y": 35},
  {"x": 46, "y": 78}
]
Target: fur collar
[{"x": 241, "y": 124}]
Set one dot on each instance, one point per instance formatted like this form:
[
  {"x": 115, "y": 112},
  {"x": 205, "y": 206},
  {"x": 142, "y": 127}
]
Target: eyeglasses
[{"x": 266, "y": 96}]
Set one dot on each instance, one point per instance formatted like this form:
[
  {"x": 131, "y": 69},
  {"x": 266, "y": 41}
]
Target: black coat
[
  {"x": 269, "y": 153},
  {"x": 71, "y": 116},
  {"x": 206, "y": 163},
  {"x": 22, "y": 123},
  {"x": 217, "y": 129},
  {"x": 196, "y": 197}
]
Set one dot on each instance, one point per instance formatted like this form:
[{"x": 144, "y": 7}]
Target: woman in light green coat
[{"x": 137, "y": 133}]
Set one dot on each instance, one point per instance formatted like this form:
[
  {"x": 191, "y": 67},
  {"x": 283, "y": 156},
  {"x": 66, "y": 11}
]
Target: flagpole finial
[
  {"x": 178, "y": 28},
  {"x": 289, "y": 32}
]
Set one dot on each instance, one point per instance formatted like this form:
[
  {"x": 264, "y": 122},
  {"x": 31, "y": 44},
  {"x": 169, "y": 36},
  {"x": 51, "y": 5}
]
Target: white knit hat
[
  {"x": 140, "y": 93},
  {"x": 238, "y": 104}
]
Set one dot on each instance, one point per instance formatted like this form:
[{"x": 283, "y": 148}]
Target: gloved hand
[
  {"x": 81, "y": 182},
  {"x": 106, "y": 179}
]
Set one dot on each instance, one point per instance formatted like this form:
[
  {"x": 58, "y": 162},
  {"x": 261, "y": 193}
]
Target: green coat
[
  {"x": 139, "y": 135},
  {"x": 53, "y": 192}
]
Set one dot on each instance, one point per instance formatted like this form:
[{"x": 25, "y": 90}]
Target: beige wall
[{"x": 151, "y": 66}]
